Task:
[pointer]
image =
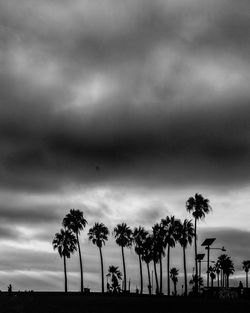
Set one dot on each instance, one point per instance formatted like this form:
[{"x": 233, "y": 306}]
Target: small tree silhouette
[
  {"x": 174, "y": 276},
  {"x": 65, "y": 243},
  {"x": 115, "y": 275}
]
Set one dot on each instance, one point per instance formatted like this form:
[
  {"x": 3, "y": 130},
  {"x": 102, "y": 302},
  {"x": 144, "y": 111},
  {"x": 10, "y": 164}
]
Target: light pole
[
  {"x": 199, "y": 258},
  {"x": 207, "y": 243}
]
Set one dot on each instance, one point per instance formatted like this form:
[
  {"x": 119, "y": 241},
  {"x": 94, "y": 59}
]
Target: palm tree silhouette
[
  {"x": 75, "y": 221},
  {"x": 246, "y": 267},
  {"x": 148, "y": 256},
  {"x": 123, "y": 237},
  {"x": 227, "y": 268},
  {"x": 115, "y": 275},
  {"x": 159, "y": 247},
  {"x": 139, "y": 237},
  {"x": 186, "y": 234},
  {"x": 174, "y": 276},
  {"x": 65, "y": 242},
  {"x": 212, "y": 271},
  {"x": 98, "y": 234},
  {"x": 171, "y": 227},
  {"x": 156, "y": 253},
  {"x": 199, "y": 207}
]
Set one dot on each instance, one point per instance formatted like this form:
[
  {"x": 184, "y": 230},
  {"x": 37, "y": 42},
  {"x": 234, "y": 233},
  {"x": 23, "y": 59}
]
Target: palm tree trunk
[
  {"x": 160, "y": 274},
  {"x": 168, "y": 270},
  {"x": 212, "y": 282},
  {"x": 80, "y": 259},
  {"x": 195, "y": 249},
  {"x": 185, "y": 270},
  {"x": 141, "y": 274},
  {"x": 149, "y": 280},
  {"x": 246, "y": 279},
  {"x": 124, "y": 270},
  {"x": 100, "y": 250},
  {"x": 218, "y": 280},
  {"x": 65, "y": 275},
  {"x": 156, "y": 279}
]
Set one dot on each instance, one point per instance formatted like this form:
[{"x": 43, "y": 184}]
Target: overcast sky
[{"x": 122, "y": 109}]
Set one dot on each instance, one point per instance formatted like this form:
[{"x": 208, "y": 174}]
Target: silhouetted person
[
  {"x": 9, "y": 289},
  {"x": 149, "y": 289},
  {"x": 240, "y": 288},
  {"x": 108, "y": 287}
]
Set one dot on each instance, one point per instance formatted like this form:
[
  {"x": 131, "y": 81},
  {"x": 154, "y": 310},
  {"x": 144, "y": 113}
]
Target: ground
[{"x": 97, "y": 303}]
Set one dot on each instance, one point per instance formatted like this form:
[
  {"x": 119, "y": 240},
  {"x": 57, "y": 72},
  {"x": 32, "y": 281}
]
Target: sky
[{"x": 122, "y": 109}]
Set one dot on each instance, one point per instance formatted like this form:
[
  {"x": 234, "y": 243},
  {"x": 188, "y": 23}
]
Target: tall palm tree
[
  {"x": 139, "y": 237},
  {"x": 159, "y": 247},
  {"x": 65, "y": 243},
  {"x": 186, "y": 235},
  {"x": 147, "y": 257},
  {"x": 123, "y": 237},
  {"x": 98, "y": 234},
  {"x": 75, "y": 221},
  {"x": 227, "y": 267},
  {"x": 156, "y": 255},
  {"x": 199, "y": 207},
  {"x": 171, "y": 227},
  {"x": 174, "y": 276},
  {"x": 115, "y": 275},
  {"x": 246, "y": 267}
]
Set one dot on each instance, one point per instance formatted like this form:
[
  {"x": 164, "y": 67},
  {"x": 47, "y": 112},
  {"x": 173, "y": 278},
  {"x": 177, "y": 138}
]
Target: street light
[
  {"x": 199, "y": 258},
  {"x": 207, "y": 243}
]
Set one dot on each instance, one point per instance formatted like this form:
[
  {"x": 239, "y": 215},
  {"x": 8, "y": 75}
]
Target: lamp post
[
  {"x": 199, "y": 258},
  {"x": 207, "y": 243}
]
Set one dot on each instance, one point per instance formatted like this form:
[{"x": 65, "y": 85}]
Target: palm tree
[
  {"x": 227, "y": 267},
  {"x": 115, "y": 275},
  {"x": 174, "y": 276},
  {"x": 221, "y": 260},
  {"x": 139, "y": 237},
  {"x": 148, "y": 256},
  {"x": 65, "y": 243},
  {"x": 186, "y": 234},
  {"x": 98, "y": 234},
  {"x": 212, "y": 271},
  {"x": 199, "y": 207},
  {"x": 156, "y": 255},
  {"x": 159, "y": 247},
  {"x": 171, "y": 227},
  {"x": 75, "y": 221},
  {"x": 246, "y": 267},
  {"x": 123, "y": 237}
]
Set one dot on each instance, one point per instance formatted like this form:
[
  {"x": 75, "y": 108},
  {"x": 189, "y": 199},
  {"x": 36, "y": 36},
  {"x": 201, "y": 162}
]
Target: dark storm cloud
[{"x": 170, "y": 101}]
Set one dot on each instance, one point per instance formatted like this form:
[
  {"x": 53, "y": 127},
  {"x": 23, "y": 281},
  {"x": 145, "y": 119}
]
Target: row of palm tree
[{"x": 150, "y": 247}]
